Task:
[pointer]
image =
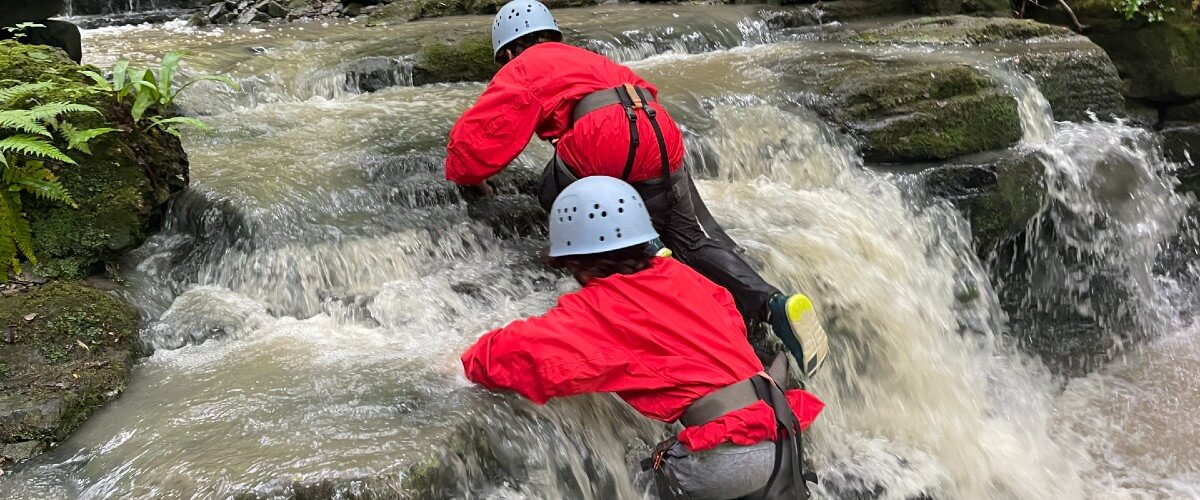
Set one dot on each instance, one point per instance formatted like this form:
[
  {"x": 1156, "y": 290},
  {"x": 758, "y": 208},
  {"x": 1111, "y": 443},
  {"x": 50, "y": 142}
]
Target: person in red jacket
[
  {"x": 606, "y": 120},
  {"x": 663, "y": 338}
]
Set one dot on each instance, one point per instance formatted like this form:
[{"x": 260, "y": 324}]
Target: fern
[
  {"x": 55, "y": 109},
  {"x": 20, "y": 121},
  {"x": 15, "y": 234},
  {"x": 79, "y": 139},
  {"x": 28, "y": 138},
  {"x": 32, "y": 145},
  {"x": 11, "y": 94},
  {"x": 34, "y": 178}
]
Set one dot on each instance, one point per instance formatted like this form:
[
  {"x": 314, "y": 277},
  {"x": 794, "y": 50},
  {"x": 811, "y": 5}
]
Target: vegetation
[
  {"x": 29, "y": 132},
  {"x": 1151, "y": 10},
  {"x": 154, "y": 92}
]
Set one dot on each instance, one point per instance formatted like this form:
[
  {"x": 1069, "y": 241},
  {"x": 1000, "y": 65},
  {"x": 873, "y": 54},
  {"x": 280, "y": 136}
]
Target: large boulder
[
  {"x": 466, "y": 59},
  {"x": 122, "y": 189},
  {"x": 410, "y": 10},
  {"x": 67, "y": 349},
  {"x": 1000, "y": 193},
  {"x": 908, "y": 109},
  {"x": 1160, "y": 60},
  {"x": 1074, "y": 74}
]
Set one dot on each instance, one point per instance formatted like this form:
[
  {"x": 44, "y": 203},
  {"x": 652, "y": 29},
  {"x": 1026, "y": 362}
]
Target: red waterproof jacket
[
  {"x": 660, "y": 339},
  {"x": 536, "y": 93}
]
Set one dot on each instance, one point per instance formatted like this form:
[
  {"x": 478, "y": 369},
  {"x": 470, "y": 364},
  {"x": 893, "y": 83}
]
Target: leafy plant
[
  {"x": 18, "y": 31},
  {"x": 27, "y": 134},
  {"x": 1152, "y": 10},
  {"x": 155, "y": 92}
]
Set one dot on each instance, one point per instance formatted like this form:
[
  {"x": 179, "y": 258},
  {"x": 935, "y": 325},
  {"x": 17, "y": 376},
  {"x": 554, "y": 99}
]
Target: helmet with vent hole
[
  {"x": 598, "y": 214},
  {"x": 519, "y": 18}
]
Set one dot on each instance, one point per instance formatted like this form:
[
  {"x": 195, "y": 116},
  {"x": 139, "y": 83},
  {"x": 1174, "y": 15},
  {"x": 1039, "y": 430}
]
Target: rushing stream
[{"x": 310, "y": 294}]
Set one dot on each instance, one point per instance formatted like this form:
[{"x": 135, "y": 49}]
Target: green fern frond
[
  {"x": 20, "y": 120},
  {"x": 32, "y": 145},
  {"x": 43, "y": 185},
  {"x": 22, "y": 91},
  {"x": 79, "y": 139},
  {"x": 54, "y": 109},
  {"x": 10, "y": 213},
  {"x": 23, "y": 233}
]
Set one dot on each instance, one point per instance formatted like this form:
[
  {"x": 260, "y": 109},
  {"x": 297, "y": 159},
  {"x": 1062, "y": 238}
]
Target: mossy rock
[
  {"x": 1074, "y": 74},
  {"x": 403, "y": 11},
  {"x": 1000, "y": 193},
  {"x": 468, "y": 59},
  {"x": 1077, "y": 78},
  {"x": 908, "y": 110},
  {"x": 67, "y": 350},
  {"x": 1160, "y": 60},
  {"x": 957, "y": 30},
  {"x": 121, "y": 189}
]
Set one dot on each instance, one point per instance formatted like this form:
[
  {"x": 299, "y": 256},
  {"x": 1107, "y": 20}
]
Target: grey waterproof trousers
[
  {"x": 686, "y": 227},
  {"x": 722, "y": 473}
]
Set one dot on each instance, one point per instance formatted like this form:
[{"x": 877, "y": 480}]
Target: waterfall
[{"x": 308, "y": 297}]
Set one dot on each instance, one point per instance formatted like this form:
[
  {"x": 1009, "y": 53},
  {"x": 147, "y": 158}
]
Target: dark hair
[
  {"x": 628, "y": 260},
  {"x": 524, "y": 42}
]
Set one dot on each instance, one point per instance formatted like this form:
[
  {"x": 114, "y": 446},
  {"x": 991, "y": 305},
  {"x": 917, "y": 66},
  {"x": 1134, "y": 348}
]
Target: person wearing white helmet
[
  {"x": 663, "y": 338},
  {"x": 604, "y": 119}
]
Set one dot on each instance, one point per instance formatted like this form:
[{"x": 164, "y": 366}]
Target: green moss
[
  {"x": 914, "y": 111},
  {"x": 943, "y": 129},
  {"x": 465, "y": 60},
  {"x": 1006, "y": 211},
  {"x": 121, "y": 188},
  {"x": 395, "y": 13},
  {"x": 960, "y": 30},
  {"x": 72, "y": 349}
]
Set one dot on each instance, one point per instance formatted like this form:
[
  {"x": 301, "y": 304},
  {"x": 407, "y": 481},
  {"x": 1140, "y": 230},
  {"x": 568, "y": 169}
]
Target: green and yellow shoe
[{"x": 796, "y": 324}]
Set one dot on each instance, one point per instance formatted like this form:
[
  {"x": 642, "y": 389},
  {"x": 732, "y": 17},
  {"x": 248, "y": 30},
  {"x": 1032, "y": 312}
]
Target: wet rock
[
  {"x": 122, "y": 188},
  {"x": 956, "y": 30},
  {"x": 1000, "y": 193},
  {"x": 62, "y": 366},
  {"x": 352, "y": 10},
  {"x": 1074, "y": 74},
  {"x": 1181, "y": 143},
  {"x": 252, "y": 16},
  {"x": 272, "y": 9},
  {"x": 13, "y": 12},
  {"x": 20, "y": 452},
  {"x": 1160, "y": 60},
  {"x": 376, "y": 73},
  {"x": 909, "y": 110},
  {"x": 1186, "y": 112},
  {"x": 468, "y": 59},
  {"x": 410, "y": 10},
  {"x": 790, "y": 18},
  {"x": 1077, "y": 78},
  {"x": 849, "y": 10}
]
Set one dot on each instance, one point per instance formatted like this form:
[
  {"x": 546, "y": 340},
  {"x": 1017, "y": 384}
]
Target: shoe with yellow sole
[{"x": 796, "y": 324}]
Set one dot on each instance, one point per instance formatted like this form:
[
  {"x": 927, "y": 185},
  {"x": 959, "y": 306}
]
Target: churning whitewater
[{"x": 310, "y": 294}]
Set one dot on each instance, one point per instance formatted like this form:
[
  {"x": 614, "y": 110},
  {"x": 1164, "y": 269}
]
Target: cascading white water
[{"x": 309, "y": 297}]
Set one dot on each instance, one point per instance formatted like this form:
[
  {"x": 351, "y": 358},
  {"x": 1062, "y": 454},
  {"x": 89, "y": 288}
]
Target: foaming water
[
  {"x": 308, "y": 298},
  {"x": 886, "y": 276}
]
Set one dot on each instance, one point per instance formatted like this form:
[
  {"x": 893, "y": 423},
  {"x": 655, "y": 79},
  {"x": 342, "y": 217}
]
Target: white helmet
[
  {"x": 519, "y": 18},
  {"x": 598, "y": 214}
]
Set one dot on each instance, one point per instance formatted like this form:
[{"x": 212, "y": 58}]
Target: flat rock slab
[
  {"x": 1076, "y": 76},
  {"x": 908, "y": 110},
  {"x": 67, "y": 349}
]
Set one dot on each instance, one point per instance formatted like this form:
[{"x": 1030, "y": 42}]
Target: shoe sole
[{"x": 809, "y": 332}]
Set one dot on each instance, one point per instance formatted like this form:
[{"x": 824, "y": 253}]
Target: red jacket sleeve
[
  {"x": 563, "y": 353},
  {"x": 489, "y": 135}
]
